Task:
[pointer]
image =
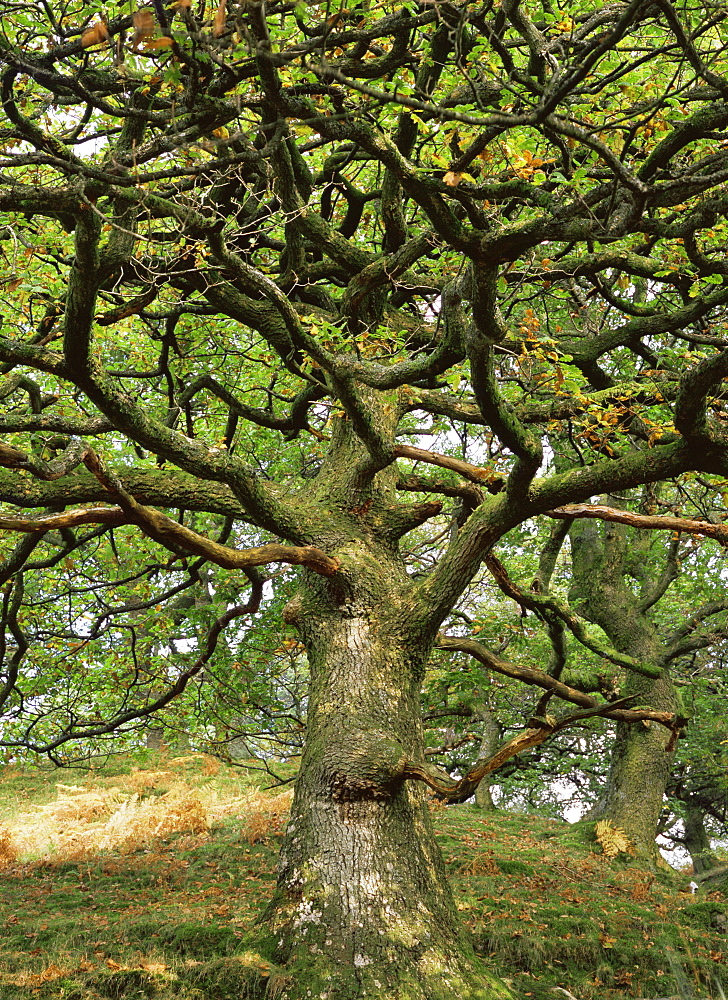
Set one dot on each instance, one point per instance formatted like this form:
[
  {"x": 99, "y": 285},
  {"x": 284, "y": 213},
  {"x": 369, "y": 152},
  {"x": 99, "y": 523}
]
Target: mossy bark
[
  {"x": 639, "y": 771},
  {"x": 641, "y": 761},
  {"x": 363, "y": 908},
  {"x": 488, "y": 746}
]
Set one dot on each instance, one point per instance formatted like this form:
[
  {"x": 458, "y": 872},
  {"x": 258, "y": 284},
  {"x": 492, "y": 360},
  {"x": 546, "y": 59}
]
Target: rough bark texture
[
  {"x": 363, "y": 907},
  {"x": 363, "y": 896},
  {"x": 640, "y": 764}
]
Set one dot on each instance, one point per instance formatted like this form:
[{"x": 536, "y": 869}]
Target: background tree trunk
[
  {"x": 488, "y": 746},
  {"x": 697, "y": 841},
  {"x": 640, "y": 763}
]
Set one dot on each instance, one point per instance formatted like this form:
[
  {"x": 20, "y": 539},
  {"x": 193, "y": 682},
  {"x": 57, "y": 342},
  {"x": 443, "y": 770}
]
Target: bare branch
[
  {"x": 457, "y": 791},
  {"x": 474, "y": 473},
  {"x": 655, "y": 522}
]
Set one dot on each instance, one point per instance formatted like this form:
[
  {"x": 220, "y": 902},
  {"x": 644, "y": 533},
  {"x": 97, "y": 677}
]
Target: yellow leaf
[
  {"x": 612, "y": 839},
  {"x": 452, "y": 178},
  {"x": 154, "y": 966}
]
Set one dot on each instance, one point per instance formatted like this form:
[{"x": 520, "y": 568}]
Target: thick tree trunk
[
  {"x": 640, "y": 762},
  {"x": 363, "y": 907}
]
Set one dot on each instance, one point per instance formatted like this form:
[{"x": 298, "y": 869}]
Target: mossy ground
[
  {"x": 172, "y": 914},
  {"x": 547, "y": 907}
]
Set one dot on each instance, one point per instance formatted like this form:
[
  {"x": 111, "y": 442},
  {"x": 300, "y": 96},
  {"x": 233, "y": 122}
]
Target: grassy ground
[{"x": 143, "y": 881}]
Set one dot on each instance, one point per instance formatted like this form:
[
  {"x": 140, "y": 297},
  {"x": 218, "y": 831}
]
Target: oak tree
[
  {"x": 659, "y": 601},
  {"x": 264, "y": 264}
]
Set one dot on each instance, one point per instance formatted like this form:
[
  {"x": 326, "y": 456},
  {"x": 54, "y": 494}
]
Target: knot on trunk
[
  {"x": 371, "y": 768},
  {"x": 293, "y": 611},
  {"x": 344, "y": 788}
]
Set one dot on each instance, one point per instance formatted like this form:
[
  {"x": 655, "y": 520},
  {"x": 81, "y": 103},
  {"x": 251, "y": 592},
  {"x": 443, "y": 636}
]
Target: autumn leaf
[
  {"x": 49, "y": 974},
  {"x": 97, "y": 34},
  {"x": 218, "y": 25},
  {"x": 154, "y": 966},
  {"x": 144, "y": 26},
  {"x": 452, "y": 178},
  {"x": 158, "y": 43}
]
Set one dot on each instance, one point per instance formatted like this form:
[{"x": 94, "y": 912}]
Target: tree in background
[
  {"x": 257, "y": 256},
  {"x": 696, "y": 812},
  {"x": 634, "y": 585}
]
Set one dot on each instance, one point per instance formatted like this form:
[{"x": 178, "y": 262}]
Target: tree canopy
[{"x": 359, "y": 289}]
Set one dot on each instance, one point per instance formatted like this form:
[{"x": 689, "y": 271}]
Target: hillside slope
[{"x": 144, "y": 880}]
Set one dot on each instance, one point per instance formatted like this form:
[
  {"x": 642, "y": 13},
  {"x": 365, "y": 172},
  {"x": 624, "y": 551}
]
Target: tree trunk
[
  {"x": 488, "y": 746},
  {"x": 154, "y": 739},
  {"x": 363, "y": 907},
  {"x": 639, "y": 770},
  {"x": 640, "y": 762},
  {"x": 697, "y": 841}
]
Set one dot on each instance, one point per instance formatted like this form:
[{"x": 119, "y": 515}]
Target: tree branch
[
  {"x": 168, "y": 532},
  {"x": 460, "y": 790},
  {"x": 547, "y": 607},
  {"x": 657, "y": 522}
]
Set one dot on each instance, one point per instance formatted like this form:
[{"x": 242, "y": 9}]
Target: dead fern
[
  {"x": 8, "y": 853},
  {"x": 267, "y": 816},
  {"x": 132, "y": 813},
  {"x": 482, "y": 864},
  {"x": 612, "y": 839}
]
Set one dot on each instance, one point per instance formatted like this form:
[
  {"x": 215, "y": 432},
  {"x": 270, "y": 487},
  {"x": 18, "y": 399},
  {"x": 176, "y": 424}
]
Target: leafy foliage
[
  {"x": 367, "y": 291},
  {"x": 246, "y": 224}
]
